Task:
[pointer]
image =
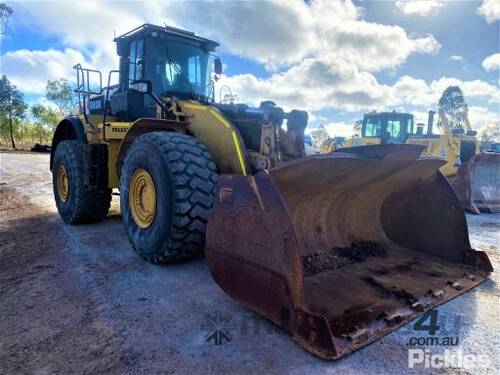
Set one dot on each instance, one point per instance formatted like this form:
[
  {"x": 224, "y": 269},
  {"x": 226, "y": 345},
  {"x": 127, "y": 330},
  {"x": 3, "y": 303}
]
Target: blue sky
[{"x": 336, "y": 59}]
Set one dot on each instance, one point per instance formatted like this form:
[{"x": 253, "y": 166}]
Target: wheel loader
[
  {"x": 338, "y": 250},
  {"x": 475, "y": 176}
]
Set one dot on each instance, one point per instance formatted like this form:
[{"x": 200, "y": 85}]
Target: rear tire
[
  {"x": 75, "y": 202},
  {"x": 183, "y": 174}
]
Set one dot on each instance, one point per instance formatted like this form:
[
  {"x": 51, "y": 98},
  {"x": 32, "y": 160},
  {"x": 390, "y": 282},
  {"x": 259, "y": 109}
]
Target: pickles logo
[{"x": 447, "y": 359}]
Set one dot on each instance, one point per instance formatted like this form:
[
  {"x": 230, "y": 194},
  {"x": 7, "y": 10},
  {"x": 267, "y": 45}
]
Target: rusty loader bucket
[
  {"x": 477, "y": 183},
  {"x": 341, "y": 249}
]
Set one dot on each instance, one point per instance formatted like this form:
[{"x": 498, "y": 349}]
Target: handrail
[{"x": 83, "y": 88}]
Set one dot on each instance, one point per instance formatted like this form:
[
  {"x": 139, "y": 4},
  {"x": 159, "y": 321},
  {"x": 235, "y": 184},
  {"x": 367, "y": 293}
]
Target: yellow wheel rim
[
  {"x": 62, "y": 183},
  {"x": 142, "y": 198}
]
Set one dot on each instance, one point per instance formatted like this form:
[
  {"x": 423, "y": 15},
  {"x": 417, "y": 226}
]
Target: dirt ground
[{"x": 76, "y": 299}]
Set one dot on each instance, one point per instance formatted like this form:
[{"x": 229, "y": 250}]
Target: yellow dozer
[
  {"x": 475, "y": 176},
  {"x": 337, "y": 249}
]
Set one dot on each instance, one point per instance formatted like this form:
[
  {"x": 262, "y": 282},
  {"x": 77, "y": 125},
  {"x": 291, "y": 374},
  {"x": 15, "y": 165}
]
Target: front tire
[
  {"x": 167, "y": 189},
  {"x": 75, "y": 202}
]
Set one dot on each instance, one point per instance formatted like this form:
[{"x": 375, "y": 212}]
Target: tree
[
  {"x": 491, "y": 133},
  {"x": 45, "y": 120},
  {"x": 357, "y": 126},
  {"x": 452, "y": 102},
  {"x": 5, "y": 13},
  {"x": 60, "y": 93},
  {"x": 12, "y": 105},
  {"x": 319, "y": 135},
  {"x": 44, "y": 117},
  {"x": 37, "y": 111}
]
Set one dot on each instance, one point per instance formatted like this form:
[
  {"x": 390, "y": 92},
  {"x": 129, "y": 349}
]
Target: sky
[{"x": 335, "y": 59}]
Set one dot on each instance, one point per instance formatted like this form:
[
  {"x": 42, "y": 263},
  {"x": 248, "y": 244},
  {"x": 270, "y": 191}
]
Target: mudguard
[{"x": 71, "y": 127}]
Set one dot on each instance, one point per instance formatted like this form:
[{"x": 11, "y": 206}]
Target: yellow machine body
[
  {"x": 447, "y": 147},
  {"x": 205, "y": 122}
]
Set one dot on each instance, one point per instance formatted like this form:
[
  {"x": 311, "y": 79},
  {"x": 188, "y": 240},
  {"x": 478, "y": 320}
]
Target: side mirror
[
  {"x": 141, "y": 85},
  {"x": 218, "y": 66}
]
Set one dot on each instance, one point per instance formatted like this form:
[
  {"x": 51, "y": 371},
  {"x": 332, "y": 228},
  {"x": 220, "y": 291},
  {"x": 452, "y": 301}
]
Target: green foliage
[
  {"x": 45, "y": 121},
  {"x": 453, "y": 104},
  {"x": 5, "y": 13},
  {"x": 319, "y": 135},
  {"x": 12, "y": 106},
  {"x": 60, "y": 93},
  {"x": 491, "y": 133},
  {"x": 18, "y": 125}
]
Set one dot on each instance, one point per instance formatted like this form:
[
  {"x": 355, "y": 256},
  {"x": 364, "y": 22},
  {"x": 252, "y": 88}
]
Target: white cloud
[
  {"x": 270, "y": 32},
  {"x": 420, "y": 7},
  {"x": 340, "y": 129},
  {"x": 72, "y": 25},
  {"x": 276, "y": 33},
  {"x": 371, "y": 46},
  {"x": 492, "y": 62},
  {"x": 30, "y": 70},
  {"x": 411, "y": 91},
  {"x": 280, "y": 33},
  {"x": 481, "y": 117},
  {"x": 490, "y": 10},
  {"x": 313, "y": 85},
  {"x": 460, "y": 60}
]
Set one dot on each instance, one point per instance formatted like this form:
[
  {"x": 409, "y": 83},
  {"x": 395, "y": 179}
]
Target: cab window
[
  {"x": 394, "y": 128},
  {"x": 135, "y": 60},
  {"x": 372, "y": 128},
  {"x": 409, "y": 129}
]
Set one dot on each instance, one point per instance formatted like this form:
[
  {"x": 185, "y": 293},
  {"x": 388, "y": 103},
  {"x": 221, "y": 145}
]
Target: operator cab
[
  {"x": 390, "y": 127},
  {"x": 160, "y": 61}
]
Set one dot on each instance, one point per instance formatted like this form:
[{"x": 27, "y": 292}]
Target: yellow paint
[
  {"x": 445, "y": 146},
  {"x": 197, "y": 107},
  {"x": 221, "y": 119},
  {"x": 116, "y": 130},
  {"x": 62, "y": 183},
  {"x": 240, "y": 156},
  {"x": 206, "y": 123},
  {"x": 219, "y": 135},
  {"x": 142, "y": 198},
  {"x": 369, "y": 141}
]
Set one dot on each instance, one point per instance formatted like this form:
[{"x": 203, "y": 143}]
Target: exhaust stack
[{"x": 430, "y": 122}]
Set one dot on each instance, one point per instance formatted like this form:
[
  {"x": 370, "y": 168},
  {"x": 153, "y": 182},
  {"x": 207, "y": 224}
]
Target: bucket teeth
[
  {"x": 456, "y": 285},
  {"x": 360, "y": 334},
  {"x": 438, "y": 293},
  {"x": 393, "y": 319}
]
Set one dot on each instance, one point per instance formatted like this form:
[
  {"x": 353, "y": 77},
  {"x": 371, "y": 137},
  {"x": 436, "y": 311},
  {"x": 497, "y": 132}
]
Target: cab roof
[
  {"x": 169, "y": 30},
  {"x": 387, "y": 114}
]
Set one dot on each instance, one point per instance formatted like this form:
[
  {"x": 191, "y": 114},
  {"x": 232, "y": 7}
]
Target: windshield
[
  {"x": 393, "y": 128},
  {"x": 181, "y": 69}
]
